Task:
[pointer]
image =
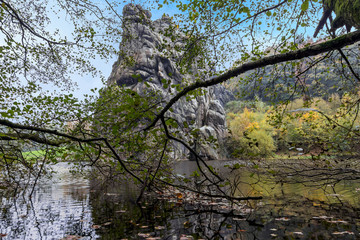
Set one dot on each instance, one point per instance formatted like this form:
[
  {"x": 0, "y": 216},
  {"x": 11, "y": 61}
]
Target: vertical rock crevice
[{"x": 147, "y": 51}]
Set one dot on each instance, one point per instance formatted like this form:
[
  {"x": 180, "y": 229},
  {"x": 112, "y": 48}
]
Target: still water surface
[{"x": 68, "y": 207}]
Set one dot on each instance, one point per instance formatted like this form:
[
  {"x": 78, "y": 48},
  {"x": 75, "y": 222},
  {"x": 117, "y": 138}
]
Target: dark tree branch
[
  {"x": 197, "y": 157},
  {"x": 33, "y": 137},
  {"x": 349, "y": 65},
  {"x": 333, "y": 44},
  {"x": 14, "y": 13},
  {"x": 73, "y": 138}
]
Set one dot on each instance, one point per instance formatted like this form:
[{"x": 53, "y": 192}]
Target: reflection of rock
[{"x": 147, "y": 53}]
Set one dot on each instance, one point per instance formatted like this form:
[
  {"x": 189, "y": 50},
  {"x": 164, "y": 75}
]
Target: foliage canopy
[{"x": 134, "y": 137}]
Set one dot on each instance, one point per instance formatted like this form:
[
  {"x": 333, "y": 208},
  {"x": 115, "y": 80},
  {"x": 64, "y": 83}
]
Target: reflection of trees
[
  {"x": 286, "y": 215},
  {"x": 43, "y": 217}
]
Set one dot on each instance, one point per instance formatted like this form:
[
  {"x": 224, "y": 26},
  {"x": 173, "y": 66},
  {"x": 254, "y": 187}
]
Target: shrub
[{"x": 251, "y": 134}]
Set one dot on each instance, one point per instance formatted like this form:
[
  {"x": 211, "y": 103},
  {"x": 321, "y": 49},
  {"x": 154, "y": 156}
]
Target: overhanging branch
[
  {"x": 309, "y": 51},
  {"x": 32, "y": 137},
  {"x": 73, "y": 138}
]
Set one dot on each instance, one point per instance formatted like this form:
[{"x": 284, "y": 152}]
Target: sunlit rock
[{"x": 148, "y": 61}]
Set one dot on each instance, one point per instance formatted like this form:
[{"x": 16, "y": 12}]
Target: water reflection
[
  {"x": 59, "y": 207},
  {"x": 69, "y": 207}
]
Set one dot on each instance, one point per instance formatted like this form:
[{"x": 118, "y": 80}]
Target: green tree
[{"x": 223, "y": 32}]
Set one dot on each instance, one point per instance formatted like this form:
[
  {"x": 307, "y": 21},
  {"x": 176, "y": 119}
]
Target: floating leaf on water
[
  {"x": 96, "y": 226},
  {"x": 321, "y": 217},
  {"x": 342, "y": 233},
  {"x": 71, "y": 237},
  {"x": 111, "y": 194},
  {"x": 179, "y": 195},
  {"x": 160, "y": 227},
  {"x": 133, "y": 223},
  {"x": 144, "y": 235},
  {"x": 338, "y": 221},
  {"x": 185, "y": 237}
]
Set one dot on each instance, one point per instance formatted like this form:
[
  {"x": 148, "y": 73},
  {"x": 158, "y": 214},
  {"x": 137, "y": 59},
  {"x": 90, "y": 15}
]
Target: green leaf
[{"x": 305, "y": 5}]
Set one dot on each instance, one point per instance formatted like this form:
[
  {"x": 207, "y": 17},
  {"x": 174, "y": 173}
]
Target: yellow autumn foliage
[{"x": 252, "y": 135}]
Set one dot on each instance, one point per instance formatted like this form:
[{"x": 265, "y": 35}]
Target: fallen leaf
[
  {"x": 121, "y": 211},
  {"x": 107, "y": 223},
  {"x": 71, "y": 237},
  {"x": 184, "y": 237},
  {"x": 282, "y": 219},
  {"x": 273, "y": 235},
  {"x": 322, "y": 217},
  {"x": 160, "y": 227},
  {"x": 3, "y": 235},
  {"x": 338, "y": 221},
  {"x": 144, "y": 226},
  {"x": 298, "y": 233},
  {"x": 342, "y": 233},
  {"x": 95, "y": 226},
  {"x": 145, "y": 235},
  {"x": 273, "y": 229},
  {"x": 111, "y": 194},
  {"x": 187, "y": 224}
]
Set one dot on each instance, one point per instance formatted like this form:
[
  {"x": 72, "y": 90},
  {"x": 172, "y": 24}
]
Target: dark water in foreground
[{"x": 68, "y": 207}]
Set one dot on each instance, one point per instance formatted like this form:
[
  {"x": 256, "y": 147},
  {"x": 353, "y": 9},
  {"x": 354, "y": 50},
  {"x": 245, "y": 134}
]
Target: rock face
[{"x": 147, "y": 52}]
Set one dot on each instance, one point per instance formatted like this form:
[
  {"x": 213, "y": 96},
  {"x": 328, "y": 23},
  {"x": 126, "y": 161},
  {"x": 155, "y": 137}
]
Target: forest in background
[{"x": 313, "y": 127}]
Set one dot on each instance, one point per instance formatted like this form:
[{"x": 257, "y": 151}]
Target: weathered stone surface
[{"x": 147, "y": 51}]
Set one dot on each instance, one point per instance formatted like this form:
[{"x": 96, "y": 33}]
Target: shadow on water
[{"x": 69, "y": 207}]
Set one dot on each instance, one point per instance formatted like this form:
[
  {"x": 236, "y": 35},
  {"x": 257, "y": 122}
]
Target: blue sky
[{"x": 86, "y": 83}]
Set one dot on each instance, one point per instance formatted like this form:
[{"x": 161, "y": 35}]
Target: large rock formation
[{"x": 148, "y": 52}]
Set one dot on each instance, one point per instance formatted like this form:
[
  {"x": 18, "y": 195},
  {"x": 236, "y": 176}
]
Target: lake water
[{"x": 72, "y": 207}]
